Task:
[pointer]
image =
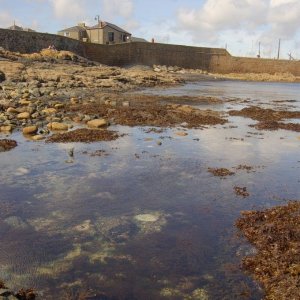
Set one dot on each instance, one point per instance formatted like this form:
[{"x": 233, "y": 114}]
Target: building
[
  {"x": 101, "y": 33},
  {"x": 78, "y": 32},
  {"x": 18, "y": 28}
]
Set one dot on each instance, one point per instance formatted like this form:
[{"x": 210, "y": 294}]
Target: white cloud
[
  {"x": 6, "y": 19},
  {"x": 264, "y": 20},
  {"x": 123, "y": 8},
  {"x": 70, "y": 9}
]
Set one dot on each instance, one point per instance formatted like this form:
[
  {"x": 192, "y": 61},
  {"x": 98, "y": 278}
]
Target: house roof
[
  {"x": 137, "y": 39},
  {"x": 75, "y": 29},
  {"x": 113, "y": 26}
]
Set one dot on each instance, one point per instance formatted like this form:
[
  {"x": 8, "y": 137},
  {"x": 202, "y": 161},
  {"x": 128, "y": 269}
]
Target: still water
[{"x": 130, "y": 219}]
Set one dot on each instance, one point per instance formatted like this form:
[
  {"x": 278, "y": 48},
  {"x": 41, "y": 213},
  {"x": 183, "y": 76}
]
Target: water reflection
[{"x": 144, "y": 221}]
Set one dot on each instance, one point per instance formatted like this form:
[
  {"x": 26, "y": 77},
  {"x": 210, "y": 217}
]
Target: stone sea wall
[
  {"x": 209, "y": 59},
  {"x": 30, "y": 42}
]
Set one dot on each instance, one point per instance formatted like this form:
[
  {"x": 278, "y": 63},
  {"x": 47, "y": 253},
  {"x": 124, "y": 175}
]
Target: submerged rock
[
  {"x": 146, "y": 218},
  {"x": 150, "y": 222},
  {"x": 16, "y": 222}
]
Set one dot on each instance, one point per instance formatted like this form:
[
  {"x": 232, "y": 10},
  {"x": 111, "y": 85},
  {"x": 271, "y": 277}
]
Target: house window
[
  {"x": 124, "y": 38},
  {"x": 111, "y": 36},
  {"x": 67, "y": 34}
]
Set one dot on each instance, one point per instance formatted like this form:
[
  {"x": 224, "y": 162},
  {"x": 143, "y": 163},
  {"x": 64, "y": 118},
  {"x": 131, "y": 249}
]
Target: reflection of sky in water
[
  {"x": 234, "y": 89},
  {"x": 79, "y": 227}
]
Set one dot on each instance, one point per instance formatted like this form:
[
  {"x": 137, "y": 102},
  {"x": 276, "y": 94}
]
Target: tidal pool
[{"x": 133, "y": 219}]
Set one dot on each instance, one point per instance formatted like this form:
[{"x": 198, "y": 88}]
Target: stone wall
[
  {"x": 29, "y": 42},
  {"x": 253, "y": 65},
  {"x": 150, "y": 54},
  {"x": 209, "y": 59}
]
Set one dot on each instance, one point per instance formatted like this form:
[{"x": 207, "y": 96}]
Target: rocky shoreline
[{"x": 54, "y": 91}]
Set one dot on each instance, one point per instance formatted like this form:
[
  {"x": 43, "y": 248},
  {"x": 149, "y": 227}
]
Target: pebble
[
  {"x": 7, "y": 128},
  {"x": 97, "y": 123},
  {"x": 181, "y": 133},
  {"x": 24, "y": 102},
  {"x": 58, "y": 126},
  {"x": 30, "y": 129},
  {"x": 23, "y": 115},
  {"x": 49, "y": 111},
  {"x": 12, "y": 110},
  {"x": 38, "y": 137}
]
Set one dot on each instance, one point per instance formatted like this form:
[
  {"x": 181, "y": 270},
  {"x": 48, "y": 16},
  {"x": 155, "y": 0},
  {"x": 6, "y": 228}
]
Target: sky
[{"x": 238, "y": 25}]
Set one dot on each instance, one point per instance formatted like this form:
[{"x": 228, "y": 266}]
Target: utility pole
[
  {"x": 97, "y": 18},
  {"x": 258, "y": 50},
  {"x": 279, "y": 42}
]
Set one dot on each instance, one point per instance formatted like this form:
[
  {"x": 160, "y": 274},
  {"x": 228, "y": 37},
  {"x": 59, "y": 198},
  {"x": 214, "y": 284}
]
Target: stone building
[{"x": 101, "y": 33}]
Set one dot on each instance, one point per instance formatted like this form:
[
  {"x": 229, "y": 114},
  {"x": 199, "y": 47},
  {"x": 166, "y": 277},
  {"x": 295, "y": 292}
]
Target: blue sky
[{"x": 238, "y": 24}]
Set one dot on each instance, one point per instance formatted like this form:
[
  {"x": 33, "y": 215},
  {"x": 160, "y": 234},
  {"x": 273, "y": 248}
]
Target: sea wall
[
  {"x": 234, "y": 64},
  {"x": 29, "y": 42},
  {"x": 210, "y": 59},
  {"x": 150, "y": 54}
]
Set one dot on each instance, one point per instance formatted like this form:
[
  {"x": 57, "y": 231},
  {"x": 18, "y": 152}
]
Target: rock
[
  {"x": 59, "y": 105},
  {"x": 24, "y": 102},
  {"x": 97, "y": 123},
  {"x": 15, "y": 222},
  {"x": 125, "y": 104},
  {"x": 2, "y": 76},
  {"x": 146, "y": 218},
  {"x": 38, "y": 137},
  {"x": 5, "y": 293},
  {"x": 23, "y": 115},
  {"x": 74, "y": 100},
  {"x": 200, "y": 294},
  {"x": 181, "y": 133},
  {"x": 7, "y": 128},
  {"x": 159, "y": 143},
  {"x": 58, "y": 126},
  {"x": 49, "y": 111},
  {"x": 12, "y": 110},
  {"x": 30, "y": 129}
]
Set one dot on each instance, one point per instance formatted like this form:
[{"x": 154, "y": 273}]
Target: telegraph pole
[{"x": 279, "y": 42}]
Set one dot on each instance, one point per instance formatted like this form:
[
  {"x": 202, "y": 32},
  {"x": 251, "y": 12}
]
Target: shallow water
[{"x": 143, "y": 221}]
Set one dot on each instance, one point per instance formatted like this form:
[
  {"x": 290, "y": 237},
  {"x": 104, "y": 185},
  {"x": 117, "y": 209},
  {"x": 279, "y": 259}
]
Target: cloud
[
  {"x": 6, "y": 19},
  {"x": 242, "y": 21},
  {"x": 123, "y": 8},
  {"x": 71, "y": 9}
]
